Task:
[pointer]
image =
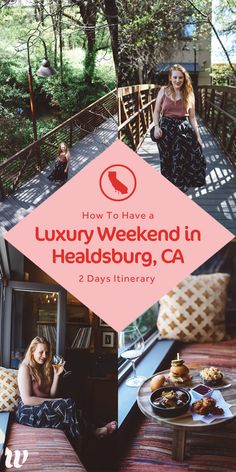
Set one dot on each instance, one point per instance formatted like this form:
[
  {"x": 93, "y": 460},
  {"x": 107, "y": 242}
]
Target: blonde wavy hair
[
  {"x": 41, "y": 374},
  {"x": 59, "y": 148},
  {"x": 186, "y": 89}
]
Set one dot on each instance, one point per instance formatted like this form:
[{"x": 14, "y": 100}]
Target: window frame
[
  {"x": 153, "y": 361},
  {"x": 150, "y": 338},
  {"x": 7, "y": 315},
  {"x": 125, "y": 368}
]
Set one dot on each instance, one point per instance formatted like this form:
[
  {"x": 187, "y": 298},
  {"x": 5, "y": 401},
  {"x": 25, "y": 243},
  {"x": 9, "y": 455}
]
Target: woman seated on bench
[{"x": 38, "y": 382}]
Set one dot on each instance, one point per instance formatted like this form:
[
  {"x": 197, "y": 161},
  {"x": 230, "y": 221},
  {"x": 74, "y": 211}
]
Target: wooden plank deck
[
  {"x": 36, "y": 190},
  {"x": 218, "y": 198}
]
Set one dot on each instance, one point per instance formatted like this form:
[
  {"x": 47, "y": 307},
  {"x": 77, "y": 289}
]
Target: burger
[{"x": 179, "y": 373}]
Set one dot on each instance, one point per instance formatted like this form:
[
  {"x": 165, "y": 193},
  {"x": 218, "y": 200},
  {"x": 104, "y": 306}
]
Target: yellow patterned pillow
[
  {"x": 9, "y": 393},
  {"x": 195, "y": 309}
]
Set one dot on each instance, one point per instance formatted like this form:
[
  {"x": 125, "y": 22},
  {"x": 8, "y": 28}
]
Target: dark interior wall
[{"x": 35, "y": 273}]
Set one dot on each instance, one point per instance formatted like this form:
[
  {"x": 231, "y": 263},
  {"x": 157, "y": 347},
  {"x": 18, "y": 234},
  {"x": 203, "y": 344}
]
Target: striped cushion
[
  {"x": 49, "y": 449},
  {"x": 150, "y": 445}
]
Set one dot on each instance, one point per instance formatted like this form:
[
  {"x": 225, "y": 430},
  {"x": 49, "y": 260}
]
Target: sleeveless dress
[
  {"x": 58, "y": 174},
  {"x": 55, "y": 413},
  {"x": 181, "y": 156}
]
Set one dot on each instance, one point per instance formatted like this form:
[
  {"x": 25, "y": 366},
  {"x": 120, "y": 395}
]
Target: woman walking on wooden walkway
[
  {"x": 176, "y": 132},
  {"x": 60, "y": 171}
]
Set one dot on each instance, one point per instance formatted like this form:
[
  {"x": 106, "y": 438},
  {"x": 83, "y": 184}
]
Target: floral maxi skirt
[
  {"x": 58, "y": 414},
  {"x": 181, "y": 156}
]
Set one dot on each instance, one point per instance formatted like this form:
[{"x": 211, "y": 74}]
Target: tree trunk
[
  {"x": 59, "y": 17},
  {"x": 89, "y": 16},
  {"x": 42, "y": 12},
  {"x": 54, "y": 27},
  {"x": 111, "y": 13}
]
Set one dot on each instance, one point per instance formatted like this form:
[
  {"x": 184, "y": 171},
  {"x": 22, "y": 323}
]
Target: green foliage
[
  {"x": 225, "y": 12},
  {"x": 147, "y": 321},
  {"x": 90, "y": 93},
  {"x": 13, "y": 84},
  {"x": 45, "y": 125},
  {"x": 150, "y": 32},
  {"x": 83, "y": 82},
  {"x": 16, "y": 131},
  {"x": 222, "y": 74},
  {"x": 63, "y": 95},
  {"x": 104, "y": 71},
  {"x": 15, "y": 24},
  {"x": 74, "y": 94},
  {"x": 89, "y": 66}
]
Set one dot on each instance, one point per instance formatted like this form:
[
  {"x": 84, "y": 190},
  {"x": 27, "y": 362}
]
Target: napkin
[{"x": 220, "y": 402}]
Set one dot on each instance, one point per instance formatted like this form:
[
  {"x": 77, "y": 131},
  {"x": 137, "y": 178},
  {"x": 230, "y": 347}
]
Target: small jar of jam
[{"x": 202, "y": 389}]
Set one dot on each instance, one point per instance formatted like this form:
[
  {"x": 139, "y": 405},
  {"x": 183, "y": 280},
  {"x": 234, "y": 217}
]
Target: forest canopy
[
  {"x": 81, "y": 40},
  {"x": 150, "y": 32}
]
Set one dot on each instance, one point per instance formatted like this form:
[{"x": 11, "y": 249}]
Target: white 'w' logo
[{"x": 16, "y": 463}]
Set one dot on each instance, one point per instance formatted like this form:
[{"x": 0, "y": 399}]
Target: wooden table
[{"x": 182, "y": 424}]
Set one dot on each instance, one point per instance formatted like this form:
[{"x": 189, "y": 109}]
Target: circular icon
[{"x": 117, "y": 182}]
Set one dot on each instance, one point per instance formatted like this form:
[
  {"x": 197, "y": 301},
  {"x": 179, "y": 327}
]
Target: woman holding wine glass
[{"x": 38, "y": 381}]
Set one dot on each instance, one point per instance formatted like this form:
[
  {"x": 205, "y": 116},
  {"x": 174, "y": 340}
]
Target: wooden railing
[
  {"x": 19, "y": 168},
  {"x": 215, "y": 104},
  {"x": 217, "y": 107},
  {"x": 135, "y": 110}
]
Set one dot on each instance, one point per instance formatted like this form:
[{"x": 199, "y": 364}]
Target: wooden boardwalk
[
  {"x": 39, "y": 188},
  {"x": 218, "y": 198}
]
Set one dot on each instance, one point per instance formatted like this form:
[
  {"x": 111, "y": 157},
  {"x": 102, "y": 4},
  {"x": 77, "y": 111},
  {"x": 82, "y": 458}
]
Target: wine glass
[
  {"x": 57, "y": 361},
  {"x": 131, "y": 345}
]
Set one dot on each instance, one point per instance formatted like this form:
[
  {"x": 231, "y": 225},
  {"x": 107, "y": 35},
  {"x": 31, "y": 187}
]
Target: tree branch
[
  {"x": 6, "y": 3},
  {"x": 72, "y": 18},
  {"x": 216, "y": 33}
]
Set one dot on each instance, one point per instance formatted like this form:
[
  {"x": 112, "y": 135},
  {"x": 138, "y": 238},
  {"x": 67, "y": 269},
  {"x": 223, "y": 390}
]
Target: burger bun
[
  {"x": 157, "y": 382},
  {"x": 179, "y": 370}
]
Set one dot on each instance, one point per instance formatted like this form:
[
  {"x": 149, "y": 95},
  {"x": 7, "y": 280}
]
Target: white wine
[
  {"x": 57, "y": 366},
  {"x": 132, "y": 354}
]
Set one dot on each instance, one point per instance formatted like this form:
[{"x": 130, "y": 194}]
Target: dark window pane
[
  {"x": 146, "y": 323},
  {"x": 33, "y": 314}
]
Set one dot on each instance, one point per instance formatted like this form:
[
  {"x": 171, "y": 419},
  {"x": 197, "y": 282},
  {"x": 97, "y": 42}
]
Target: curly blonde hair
[
  {"x": 41, "y": 374},
  {"x": 186, "y": 89},
  {"x": 59, "y": 148}
]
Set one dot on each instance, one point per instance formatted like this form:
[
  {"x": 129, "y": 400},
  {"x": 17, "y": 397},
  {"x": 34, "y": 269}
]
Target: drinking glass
[
  {"x": 57, "y": 361},
  {"x": 131, "y": 346}
]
